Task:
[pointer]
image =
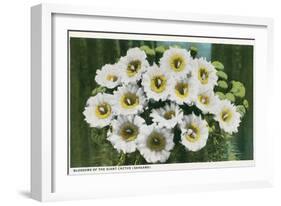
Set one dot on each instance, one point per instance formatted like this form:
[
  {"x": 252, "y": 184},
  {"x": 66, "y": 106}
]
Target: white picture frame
[{"x": 50, "y": 181}]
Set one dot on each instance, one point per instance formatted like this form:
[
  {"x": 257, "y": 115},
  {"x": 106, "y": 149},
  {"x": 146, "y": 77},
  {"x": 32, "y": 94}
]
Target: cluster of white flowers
[{"x": 178, "y": 80}]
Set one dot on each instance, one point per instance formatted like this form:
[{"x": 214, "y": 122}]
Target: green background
[{"x": 88, "y": 146}]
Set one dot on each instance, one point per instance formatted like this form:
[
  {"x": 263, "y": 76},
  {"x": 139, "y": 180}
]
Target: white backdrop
[{"x": 15, "y": 101}]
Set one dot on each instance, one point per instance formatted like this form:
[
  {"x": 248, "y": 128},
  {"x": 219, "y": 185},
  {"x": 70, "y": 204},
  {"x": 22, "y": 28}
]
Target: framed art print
[
  {"x": 122, "y": 101},
  {"x": 150, "y": 102}
]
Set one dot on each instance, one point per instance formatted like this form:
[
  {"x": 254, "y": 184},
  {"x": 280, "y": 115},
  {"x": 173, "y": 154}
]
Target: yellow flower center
[
  {"x": 181, "y": 90},
  {"x": 169, "y": 115},
  {"x": 193, "y": 133},
  {"x": 203, "y": 75},
  {"x": 129, "y": 100},
  {"x": 129, "y": 132},
  {"x": 156, "y": 141},
  {"x": 133, "y": 68},
  {"x": 226, "y": 115},
  {"x": 103, "y": 110},
  {"x": 158, "y": 83},
  {"x": 177, "y": 63},
  {"x": 112, "y": 78},
  {"x": 204, "y": 99}
]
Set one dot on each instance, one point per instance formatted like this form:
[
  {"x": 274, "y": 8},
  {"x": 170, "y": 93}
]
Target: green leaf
[
  {"x": 97, "y": 90},
  {"x": 230, "y": 97},
  {"x": 148, "y": 50},
  {"x": 241, "y": 109},
  {"x": 222, "y": 75},
  {"x": 218, "y": 65},
  {"x": 238, "y": 89},
  {"x": 160, "y": 49},
  {"x": 222, "y": 84},
  {"x": 220, "y": 95},
  {"x": 246, "y": 103},
  {"x": 144, "y": 48}
]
